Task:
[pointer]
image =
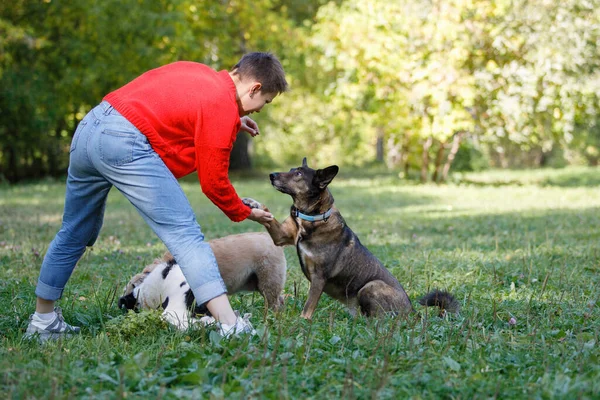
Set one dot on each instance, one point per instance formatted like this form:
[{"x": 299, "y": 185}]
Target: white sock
[{"x": 45, "y": 317}]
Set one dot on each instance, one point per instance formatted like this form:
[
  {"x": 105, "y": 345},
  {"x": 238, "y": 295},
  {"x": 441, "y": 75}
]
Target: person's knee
[
  {"x": 190, "y": 253},
  {"x": 94, "y": 236},
  {"x": 69, "y": 241},
  {"x": 183, "y": 242}
]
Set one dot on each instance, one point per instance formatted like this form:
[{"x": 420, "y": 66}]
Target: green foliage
[
  {"x": 132, "y": 324},
  {"x": 508, "y": 244},
  {"x": 470, "y": 158},
  {"x": 397, "y": 82},
  {"x": 61, "y": 58},
  {"x": 519, "y": 77},
  {"x": 540, "y": 70}
]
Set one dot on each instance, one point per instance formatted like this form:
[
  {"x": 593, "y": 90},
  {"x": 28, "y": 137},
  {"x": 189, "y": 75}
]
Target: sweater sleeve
[{"x": 213, "y": 167}]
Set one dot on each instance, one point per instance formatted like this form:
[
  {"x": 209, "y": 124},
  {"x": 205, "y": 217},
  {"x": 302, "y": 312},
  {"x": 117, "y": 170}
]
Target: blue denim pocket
[
  {"x": 142, "y": 146},
  {"x": 80, "y": 127},
  {"x": 116, "y": 147}
]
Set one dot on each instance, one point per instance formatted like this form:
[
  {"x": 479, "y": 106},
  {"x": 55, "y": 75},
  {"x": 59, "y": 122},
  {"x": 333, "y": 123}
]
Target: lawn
[{"x": 520, "y": 251}]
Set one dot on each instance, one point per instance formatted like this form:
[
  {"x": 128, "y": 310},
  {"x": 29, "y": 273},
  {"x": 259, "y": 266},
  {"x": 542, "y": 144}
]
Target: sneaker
[
  {"x": 207, "y": 320},
  {"x": 52, "y": 330},
  {"x": 242, "y": 326}
]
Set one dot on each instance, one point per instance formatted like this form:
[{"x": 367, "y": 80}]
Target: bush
[{"x": 470, "y": 158}]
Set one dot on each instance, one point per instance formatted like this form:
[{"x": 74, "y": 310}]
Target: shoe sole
[{"x": 43, "y": 337}]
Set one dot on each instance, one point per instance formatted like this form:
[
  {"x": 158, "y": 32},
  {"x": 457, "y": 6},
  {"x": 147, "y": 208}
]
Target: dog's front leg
[
  {"x": 283, "y": 234},
  {"x": 314, "y": 294}
]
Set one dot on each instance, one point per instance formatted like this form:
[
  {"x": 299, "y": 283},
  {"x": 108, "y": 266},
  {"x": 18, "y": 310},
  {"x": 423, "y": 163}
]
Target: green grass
[{"x": 524, "y": 245}]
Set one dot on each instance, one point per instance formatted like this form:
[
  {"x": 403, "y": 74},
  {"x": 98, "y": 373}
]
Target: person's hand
[
  {"x": 260, "y": 216},
  {"x": 248, "y": 125}
]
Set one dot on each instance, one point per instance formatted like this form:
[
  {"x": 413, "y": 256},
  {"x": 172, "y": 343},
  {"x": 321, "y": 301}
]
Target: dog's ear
[
  {"x": 323, "y": 177},
  {"x": 304, "y": 163},
  {"x": 167, "y": 256}
]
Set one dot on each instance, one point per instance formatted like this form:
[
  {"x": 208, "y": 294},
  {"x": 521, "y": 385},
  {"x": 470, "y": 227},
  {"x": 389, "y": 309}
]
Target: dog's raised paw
[{"x": 252, "y": 203}]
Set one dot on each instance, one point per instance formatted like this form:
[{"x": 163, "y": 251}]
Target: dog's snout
[
  {"x": 273, "y": 176},
  {"x": 127, "y": 302}
]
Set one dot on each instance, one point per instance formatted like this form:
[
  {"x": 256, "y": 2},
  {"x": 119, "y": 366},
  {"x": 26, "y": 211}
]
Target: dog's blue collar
[{"x": 312, "y": 218}]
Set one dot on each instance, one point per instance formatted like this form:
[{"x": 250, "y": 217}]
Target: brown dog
[
  {"x": 247, "y": 262},
  {"x": 331, "y": 255}
]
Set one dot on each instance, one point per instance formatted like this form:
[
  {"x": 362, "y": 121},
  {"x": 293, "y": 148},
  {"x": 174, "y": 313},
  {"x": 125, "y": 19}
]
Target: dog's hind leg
[
  {"x": 270, "y": 285},
  {"x": 377, "y": 298},
  {"x": 272, "y": 297},
  {"x": 270, "y": 277}
]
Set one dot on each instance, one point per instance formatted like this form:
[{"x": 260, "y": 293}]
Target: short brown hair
[{"x": 265, "y": 68}]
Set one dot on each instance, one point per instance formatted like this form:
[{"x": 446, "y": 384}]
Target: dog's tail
[{"x": 442, "y": 299}]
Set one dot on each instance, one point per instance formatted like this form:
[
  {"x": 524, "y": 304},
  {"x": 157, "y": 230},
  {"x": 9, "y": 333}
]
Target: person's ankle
[
  {"x": 43, "y": 306},
  {"x": 228, "y": 321}
]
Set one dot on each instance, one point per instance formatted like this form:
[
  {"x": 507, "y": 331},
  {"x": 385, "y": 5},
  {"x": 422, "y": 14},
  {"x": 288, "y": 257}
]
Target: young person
[{"x": 165, "y": 124}]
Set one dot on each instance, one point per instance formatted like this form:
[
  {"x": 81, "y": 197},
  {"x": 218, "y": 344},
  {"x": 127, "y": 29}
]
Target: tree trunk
[
  {"x": 379, "y": 145},
  {"x": 425, "y": 159},
  {"x": 38, "y": 169},
  {"x": 394, "y": 153},
  {"x": 12, "y": 173},
  {"x": 453, "y": 150},
  {"x": 438, "y": 162},
  {"x": 53, "y": 151},
  {"x": 240, "y": 156},
  {"x": 501, "y": 154},
  {"x": 404, "y": 156}
]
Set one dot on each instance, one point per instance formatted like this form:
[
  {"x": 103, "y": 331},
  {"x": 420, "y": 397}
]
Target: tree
[
  {"x": 228, "y": 30},
  {"x": 60, "y": 60},
  {"x": 538, "y": 64},
  {"x": 420, "y": 76},
  {"x": 401, "y": 82}
]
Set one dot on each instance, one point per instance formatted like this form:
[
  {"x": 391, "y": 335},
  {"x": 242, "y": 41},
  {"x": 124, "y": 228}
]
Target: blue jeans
[{"x": 106, "y": 151}]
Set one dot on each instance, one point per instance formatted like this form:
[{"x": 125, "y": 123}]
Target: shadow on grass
[
  {"x": 515, "y": 230},
  {"x": 566, "y": 177},
  {"x": 589, "y": 178},
  {"x": 496, "y": 254}
]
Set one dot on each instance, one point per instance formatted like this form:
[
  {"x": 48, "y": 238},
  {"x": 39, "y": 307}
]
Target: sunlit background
[{"x": 423, "y": 87}]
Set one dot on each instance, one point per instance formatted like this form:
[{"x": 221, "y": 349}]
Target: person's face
[{"x": 254, "y": 100}]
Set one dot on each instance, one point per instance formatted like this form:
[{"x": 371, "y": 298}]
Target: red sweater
[{"x": 190, "y": 116}]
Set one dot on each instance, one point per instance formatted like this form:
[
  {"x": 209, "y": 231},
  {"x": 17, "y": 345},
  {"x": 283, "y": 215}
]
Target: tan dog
[{"x": 247, "y": 262}]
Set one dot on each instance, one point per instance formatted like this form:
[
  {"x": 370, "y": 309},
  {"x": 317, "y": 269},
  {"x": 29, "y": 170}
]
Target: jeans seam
[
  {"x": 80, "y": 127},
  {"x": 97, "y": 225},
  {"x": 169, "y": 173},
  {"x": 87, "y": 143}
]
